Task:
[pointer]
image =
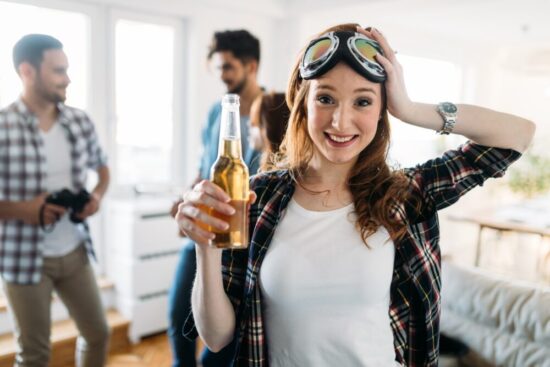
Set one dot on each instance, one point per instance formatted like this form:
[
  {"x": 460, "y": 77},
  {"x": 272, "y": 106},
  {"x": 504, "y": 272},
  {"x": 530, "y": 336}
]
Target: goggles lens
[
  {"x": 366, "y": 49},
  {"x": 317, "y": 52}
]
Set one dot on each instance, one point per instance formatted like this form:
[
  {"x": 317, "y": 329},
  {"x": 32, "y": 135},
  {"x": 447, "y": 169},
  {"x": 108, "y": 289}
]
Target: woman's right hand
[
  {"x": 397, "y": 99},
  {"x": 192, "y": 212}
]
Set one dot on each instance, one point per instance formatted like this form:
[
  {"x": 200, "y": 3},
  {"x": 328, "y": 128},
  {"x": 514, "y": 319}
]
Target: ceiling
[{"x": 485, "y": 20}]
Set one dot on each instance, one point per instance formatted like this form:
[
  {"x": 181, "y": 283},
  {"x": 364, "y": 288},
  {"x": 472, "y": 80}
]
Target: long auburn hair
[{"x": 376, "y": 189}]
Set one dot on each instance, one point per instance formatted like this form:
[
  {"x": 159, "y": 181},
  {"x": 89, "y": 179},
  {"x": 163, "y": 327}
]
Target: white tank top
[
  {"x": 66, "y": 236},
  {"x": 326, "y": 294}
]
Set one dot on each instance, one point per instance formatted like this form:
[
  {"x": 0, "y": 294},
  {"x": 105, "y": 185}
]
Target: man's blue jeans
[{"x": 179, "y": 307}]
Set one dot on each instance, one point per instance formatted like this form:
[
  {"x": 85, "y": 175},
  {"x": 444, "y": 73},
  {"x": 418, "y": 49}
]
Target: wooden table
[{"x": 490, "y": 220}]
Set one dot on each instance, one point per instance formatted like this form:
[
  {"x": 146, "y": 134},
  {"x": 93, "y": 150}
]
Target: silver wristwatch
[{"x": 448, "y": 111}]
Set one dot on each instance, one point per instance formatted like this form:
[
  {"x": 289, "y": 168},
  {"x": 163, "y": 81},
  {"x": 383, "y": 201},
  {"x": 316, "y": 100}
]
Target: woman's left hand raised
[{"x": 398, "y": 101}]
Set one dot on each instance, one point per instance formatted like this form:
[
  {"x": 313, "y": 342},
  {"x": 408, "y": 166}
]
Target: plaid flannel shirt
[
  {"x": 23, "y": 176},
  {"x": 415, "y": 288}
]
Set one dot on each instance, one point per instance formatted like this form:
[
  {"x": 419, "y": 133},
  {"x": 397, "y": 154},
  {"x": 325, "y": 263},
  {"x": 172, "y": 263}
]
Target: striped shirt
[
  {"x": 415, "y": 304},
  {"x": 23, "y": 177}
]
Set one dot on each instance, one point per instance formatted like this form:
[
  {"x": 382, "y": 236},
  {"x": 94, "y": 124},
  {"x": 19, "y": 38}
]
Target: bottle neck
[
  {"x": 230, "y": 148},
  {"x": 230, "y": 132}
]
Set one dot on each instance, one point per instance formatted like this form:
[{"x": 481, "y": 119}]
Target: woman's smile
[{"x": 340, "y": 141}]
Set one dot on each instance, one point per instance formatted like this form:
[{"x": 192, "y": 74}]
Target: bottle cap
[{"x": 231, "y": 99}]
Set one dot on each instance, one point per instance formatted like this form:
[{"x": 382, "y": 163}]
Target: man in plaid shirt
[{"x": 46, "y": 146}]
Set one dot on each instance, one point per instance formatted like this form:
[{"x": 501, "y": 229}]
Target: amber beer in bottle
[{"x": 231, "y": 174}]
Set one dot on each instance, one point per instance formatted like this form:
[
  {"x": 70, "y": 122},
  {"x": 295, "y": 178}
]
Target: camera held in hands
[{"x": 74, "y": 203}]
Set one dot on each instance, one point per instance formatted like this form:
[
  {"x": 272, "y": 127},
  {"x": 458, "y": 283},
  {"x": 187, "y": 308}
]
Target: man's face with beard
[
  {"x": 51, "y": 80},
  {"x": 232, "y": 71}
]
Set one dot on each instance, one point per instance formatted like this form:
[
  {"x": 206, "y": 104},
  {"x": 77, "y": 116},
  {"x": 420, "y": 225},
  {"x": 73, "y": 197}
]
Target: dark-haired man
[
  {"x": 46, "y": 146},
  {"x": 235, "y": 55}
]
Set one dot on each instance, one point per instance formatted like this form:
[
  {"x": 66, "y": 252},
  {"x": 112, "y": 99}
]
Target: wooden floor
[{"x": 153, "y": 351}]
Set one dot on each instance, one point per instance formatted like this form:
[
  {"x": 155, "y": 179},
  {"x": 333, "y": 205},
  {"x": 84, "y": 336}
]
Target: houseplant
[{"x": 530, "y": 177}]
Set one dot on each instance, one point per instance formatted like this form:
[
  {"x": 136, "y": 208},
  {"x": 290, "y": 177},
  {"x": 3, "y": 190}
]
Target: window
[
  {"x": 144, "y": 95},
  {"x": 427, "y": 81},
  {"x": 71, "y": 28}
]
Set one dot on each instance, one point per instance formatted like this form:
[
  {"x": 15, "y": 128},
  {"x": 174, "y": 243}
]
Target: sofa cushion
[{"x": 504, "y": 322}]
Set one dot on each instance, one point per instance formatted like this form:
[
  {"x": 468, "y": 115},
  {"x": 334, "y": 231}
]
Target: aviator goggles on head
[{"x": 356, "y": 49}]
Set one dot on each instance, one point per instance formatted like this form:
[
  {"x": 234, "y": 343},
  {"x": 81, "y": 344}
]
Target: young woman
[
  {"x": 343, "y": 267},
  {"x": 269, "y": 115}
]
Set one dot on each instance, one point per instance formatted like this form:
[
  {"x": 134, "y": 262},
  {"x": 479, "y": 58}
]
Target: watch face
[{"x": 448, "y": 107}]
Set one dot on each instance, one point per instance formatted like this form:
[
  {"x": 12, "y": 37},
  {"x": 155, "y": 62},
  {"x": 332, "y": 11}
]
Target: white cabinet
[{"x": 141, "y": 254}]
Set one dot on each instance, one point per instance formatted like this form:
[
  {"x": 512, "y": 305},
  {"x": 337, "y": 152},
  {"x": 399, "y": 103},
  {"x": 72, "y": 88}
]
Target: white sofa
[{"x": 503, "y": 322}]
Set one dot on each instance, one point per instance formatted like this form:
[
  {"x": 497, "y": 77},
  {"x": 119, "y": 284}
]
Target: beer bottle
[{"x": 231, "y": 174}]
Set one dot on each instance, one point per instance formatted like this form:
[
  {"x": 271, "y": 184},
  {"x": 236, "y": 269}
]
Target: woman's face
[{"x": 343, "y": 113}]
